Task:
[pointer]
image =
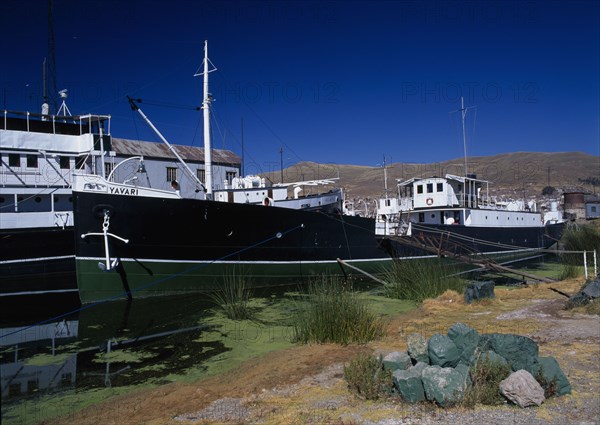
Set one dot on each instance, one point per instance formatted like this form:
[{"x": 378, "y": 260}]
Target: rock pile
[
  {"x": 588, "y": 293},
  {"x": 439, "y": 370},
  {"x": 479, "y": 290}
]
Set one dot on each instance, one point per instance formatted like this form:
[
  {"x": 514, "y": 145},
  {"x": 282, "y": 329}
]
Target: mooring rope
[{"x": 278, "y": 235}]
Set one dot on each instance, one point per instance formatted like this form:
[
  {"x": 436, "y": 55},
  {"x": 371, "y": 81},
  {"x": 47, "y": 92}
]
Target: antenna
[
  {"x": 281, "y": 162},
  {"x": 51, "y": 59},
  {"x": 242, "y": 165},
  {"x": 463, "y": 112},
  {"x": 65, "y": 110},
  {"x": 45, "y": 106},
  {"x": 385, "y": 186}
]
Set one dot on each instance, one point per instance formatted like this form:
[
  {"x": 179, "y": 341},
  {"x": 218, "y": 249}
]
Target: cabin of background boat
[{"x": 436, "y": 192}]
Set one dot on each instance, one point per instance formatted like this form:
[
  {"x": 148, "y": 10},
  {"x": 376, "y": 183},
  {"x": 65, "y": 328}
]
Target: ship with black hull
[
  {"x": 170, "y": 245},
  {"x": 134, "y": 241}
]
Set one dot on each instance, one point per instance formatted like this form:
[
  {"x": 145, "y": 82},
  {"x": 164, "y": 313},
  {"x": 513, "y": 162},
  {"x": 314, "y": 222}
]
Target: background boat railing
[{"x": 74, "y": 125}]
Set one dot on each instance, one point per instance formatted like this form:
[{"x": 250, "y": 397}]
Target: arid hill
[{"x": 514, "y": 175}]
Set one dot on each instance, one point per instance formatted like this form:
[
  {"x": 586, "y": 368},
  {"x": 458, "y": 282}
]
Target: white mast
[{"x": 206, "y": 107}]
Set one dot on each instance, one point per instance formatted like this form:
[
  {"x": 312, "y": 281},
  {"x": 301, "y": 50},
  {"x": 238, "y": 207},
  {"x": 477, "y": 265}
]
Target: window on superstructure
[
  {"x": 14, "y": 160},
  {"x": 32, "y": 161},
  {"x": 65, "y": 162},
  {"x": 230, "y": 175},
  {"x": 429, "y": 187},
  {"x": 419, "y": 188},
  {"x": 201, "y": 174},
  {"x": 108, "y": 167},
  {"x": 32, "y": 386},
  {"x": 440, "y": 187},
  {"x": 80, "y": 163},
  {"x": 171, "y": 174}
]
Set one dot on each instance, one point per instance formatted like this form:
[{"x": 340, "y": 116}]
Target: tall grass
[
  {"x": 420, "y": 279},
  {"x": 486, "y": 376},
  {"x": 583, "y": 237},
  {"x": 367, "y": 377},
  {"x": 333, "y": 313},
  {"x": 578, "y": 238},
  {"x": 233, "y": 296}
]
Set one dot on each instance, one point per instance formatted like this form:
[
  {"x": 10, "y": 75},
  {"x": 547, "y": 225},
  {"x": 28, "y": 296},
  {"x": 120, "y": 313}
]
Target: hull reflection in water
[{"x": 111, "y": 345}]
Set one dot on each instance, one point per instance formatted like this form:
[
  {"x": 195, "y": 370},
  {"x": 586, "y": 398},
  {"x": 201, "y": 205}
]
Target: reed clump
[
  {"x": 367, "y": 377},
  {"x": 578, "y": 238},
  {"x": 421, "y": 279},
  {"x": 486, "y": 376},
  {"x": 233, "y": 296},
  {"x": 333, "y": 313}
]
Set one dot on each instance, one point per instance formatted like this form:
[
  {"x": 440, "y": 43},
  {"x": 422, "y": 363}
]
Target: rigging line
[
  {"x": 346, "y": 236},
  {"x": 126, "y": 91},
  {"x": 196, "y": 130},
  {"x": 170, "y": 105},
  {"x": 474, "y": 122},
  {"x": 335, "y": 218},
  {"x": 465, "y": 238},
  {"x": 469, "y": 239},
  {"x": 232, "y": 135},
  {"x": 219, "y": 128},
  {"x": 278, "y": 235},
  {"x": 222, "y": 75}
]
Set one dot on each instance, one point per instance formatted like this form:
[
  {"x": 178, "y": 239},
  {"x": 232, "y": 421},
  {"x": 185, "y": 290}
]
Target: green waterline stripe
[{"x": 154, "y": 260}]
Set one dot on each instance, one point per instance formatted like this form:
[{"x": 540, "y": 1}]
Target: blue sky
[{"x": 343, "y": 82}]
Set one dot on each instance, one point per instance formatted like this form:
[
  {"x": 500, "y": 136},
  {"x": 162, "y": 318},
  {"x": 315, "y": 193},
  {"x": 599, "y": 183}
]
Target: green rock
[
  {"x": 466, "y": 340},
  {"x": 446, "y": 386},
  {"x": 442, "y": 351},
  {"x": 550, "y": 370},
  {"x": 519, "y": 351},
  {"x": 409, "y": 383},
  {"x": 397, "y": 360},
  {"x": 417, "y": 348},
  {"x": 492, "y": 357}
]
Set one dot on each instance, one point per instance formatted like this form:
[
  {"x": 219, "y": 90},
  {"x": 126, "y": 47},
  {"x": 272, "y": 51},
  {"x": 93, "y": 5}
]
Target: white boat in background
[{"x": 461, "y": 210}]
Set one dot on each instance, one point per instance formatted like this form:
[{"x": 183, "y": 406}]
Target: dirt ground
[{"x": 305, "y": 385}]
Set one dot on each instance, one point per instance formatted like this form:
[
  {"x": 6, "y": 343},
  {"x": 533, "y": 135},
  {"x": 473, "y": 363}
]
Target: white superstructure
[
  {"x": 454, "y": 200},
  {"x": 38, "y": 154}
]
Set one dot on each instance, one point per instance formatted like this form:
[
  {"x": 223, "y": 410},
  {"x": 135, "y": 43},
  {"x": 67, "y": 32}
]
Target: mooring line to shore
[{"x": 278, "y": 235}]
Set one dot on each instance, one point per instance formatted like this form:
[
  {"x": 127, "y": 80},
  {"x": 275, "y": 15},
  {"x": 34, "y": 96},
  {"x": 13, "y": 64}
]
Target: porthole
[
  {"x": 2, "y": 199},
  {"x": 38, "y": 199}
]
